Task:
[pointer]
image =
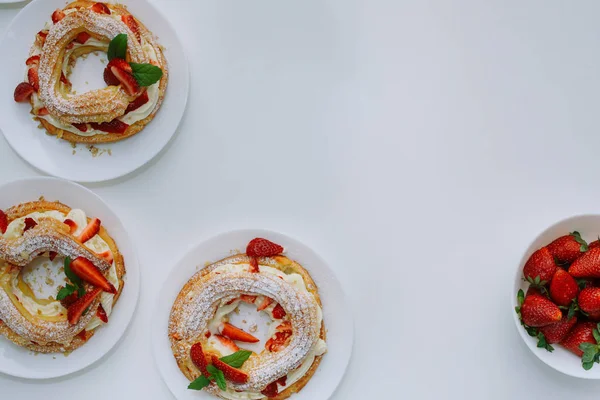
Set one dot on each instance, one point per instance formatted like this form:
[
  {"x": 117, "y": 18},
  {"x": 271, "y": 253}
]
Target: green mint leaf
[
  {"x": 199, "y": 383},
  {"x": 65, "y": 292},
  {"x": 80, "y": 291},
  {"x": 587, "y": 365},
  {"x": 118, "y": 47},
  {"x": 521, "y": 297},
  {"x": 70, "y": 274},
  {"x": 237, "y": 359},
  {"x": 578, "y": 239},
  {"x": 218, "y": 375},
  {"x": 146, "y": 74}
]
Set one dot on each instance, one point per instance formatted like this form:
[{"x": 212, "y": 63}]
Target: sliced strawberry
[
  {"x": 29, "y": 223},
  {"x": 235, "y": 333},
  {"x": 208, "y": 334},
  {"x": 132, "y": 24},
  {"x": 33, "y": 60},
  {"x": 246, "y": 298},
  {"x": 42, "y": 37},
  {"x": 121, "y": 64},
  {"x": 114, "y": 126},
  {"x": 43, "y": 111},
  {"x": 271, "y": 390},
  {"x": 227, "y": 343},
  {"x": 76, "y": 310},
  {"x": 83, "y": 37},
  {"x": 64, "y": 79},
  {"x": 57, "y": 15},
  {"x": 137, "y": 103},
  {"x": 199, "y": 358},
  {"x": 69, "y": 300},
  {"x": 91, "y": 230},
  {"x": 231, "y": 374},
  {"x": 285, "y": 326},
  {"x": 127, "y": 80},
  {"x": 278, "y": 342},
  {"x": 70, "y": 46},
  {"x": 282, "y": 381},
  {"x": 52, "y": 255},
  {"x": 23, "y": 92},
  {"x": 254, "y": 265},
  {"x": 81, "y": 127},
  {"x": 82, "y": 335},
  {"x": 101, "y": 313},
  {"x": 109, "y": 78},
  {"x": 33, "y": 78},
  {"x": 260, "y": 247},
  {"x": 3, "y": 222},
  {"x": 107, "y": 255},
  {"x": 83, "y": 268},
  {"x": 265, "y": 303},
  {"x": 101, "y": 8},
  {"x": 278, "y": 312},
  {"x": 72, "y": 224}
]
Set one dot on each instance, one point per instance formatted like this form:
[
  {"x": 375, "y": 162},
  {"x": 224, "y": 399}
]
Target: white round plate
[
  {"x": 55, "y": 156},
  {"x": 560, "y": 359},
  {"x": 337, "y": 316},
  {"x": 20, "y": 362}
]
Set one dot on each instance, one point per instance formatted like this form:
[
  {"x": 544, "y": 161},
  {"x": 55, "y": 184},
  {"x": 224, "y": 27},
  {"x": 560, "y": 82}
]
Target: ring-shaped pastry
[
  {"x": 282, "y": 288},
  {"x": 104, "y": 115},
  {"x": 39, "y": 230}
]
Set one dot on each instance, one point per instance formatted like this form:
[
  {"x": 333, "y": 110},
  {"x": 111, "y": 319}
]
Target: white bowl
[{"x": 560, "y": 359}]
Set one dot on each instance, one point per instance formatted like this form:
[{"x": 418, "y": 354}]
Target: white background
[{"x": 417, "y": 146}]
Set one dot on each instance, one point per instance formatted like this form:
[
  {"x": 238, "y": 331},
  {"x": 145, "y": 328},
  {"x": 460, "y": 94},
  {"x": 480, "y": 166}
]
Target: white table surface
[{"x": 417, "y": 146}]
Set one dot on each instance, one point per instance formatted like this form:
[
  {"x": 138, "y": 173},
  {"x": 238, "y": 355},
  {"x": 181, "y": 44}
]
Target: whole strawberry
[
  {"x": 594, "y": 244},
  {"x": 555, "y": 333},
  {"x": 538, "y": 311},
  {"x": 563, "y": 288},
  {"x": 567, "y": 248},
  {"x": 589, "y": 300},
  {"x": 540, "y": 267},
  {"x": 587, "y": 266},
  {"x": 582, "y": 332}
]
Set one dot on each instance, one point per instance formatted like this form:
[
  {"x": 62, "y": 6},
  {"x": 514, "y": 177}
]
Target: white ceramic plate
[
  {"x": 54, "y": 156},
  {"x": 17, "y": 361},
  {"x": 560, "y": 359},
  {"x": 337, "y": 316}
]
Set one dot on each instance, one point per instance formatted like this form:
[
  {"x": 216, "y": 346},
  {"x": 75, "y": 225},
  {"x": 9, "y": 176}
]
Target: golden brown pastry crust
[
  {"x": 53, "y": 347},
  {"x": 133, "y": 128},
  {"x": 285, "y": 265}
]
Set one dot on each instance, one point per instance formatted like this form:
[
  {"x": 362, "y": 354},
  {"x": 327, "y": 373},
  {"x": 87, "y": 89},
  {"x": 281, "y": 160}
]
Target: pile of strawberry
[
  {"x": 562, "y": 303},
  {"x": 74, "y": 296}
]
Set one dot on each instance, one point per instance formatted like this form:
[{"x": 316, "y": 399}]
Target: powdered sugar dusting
[
  {"x": 200, "y": 298},
  {"x": 101, "y": 105}
]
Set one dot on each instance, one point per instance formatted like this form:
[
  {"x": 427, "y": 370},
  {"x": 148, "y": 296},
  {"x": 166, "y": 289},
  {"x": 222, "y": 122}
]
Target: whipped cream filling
[
  {"x": 129, "y": 118},
  {"x": 294, "y": 376},
  {"x": 54, "y": 308}
]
